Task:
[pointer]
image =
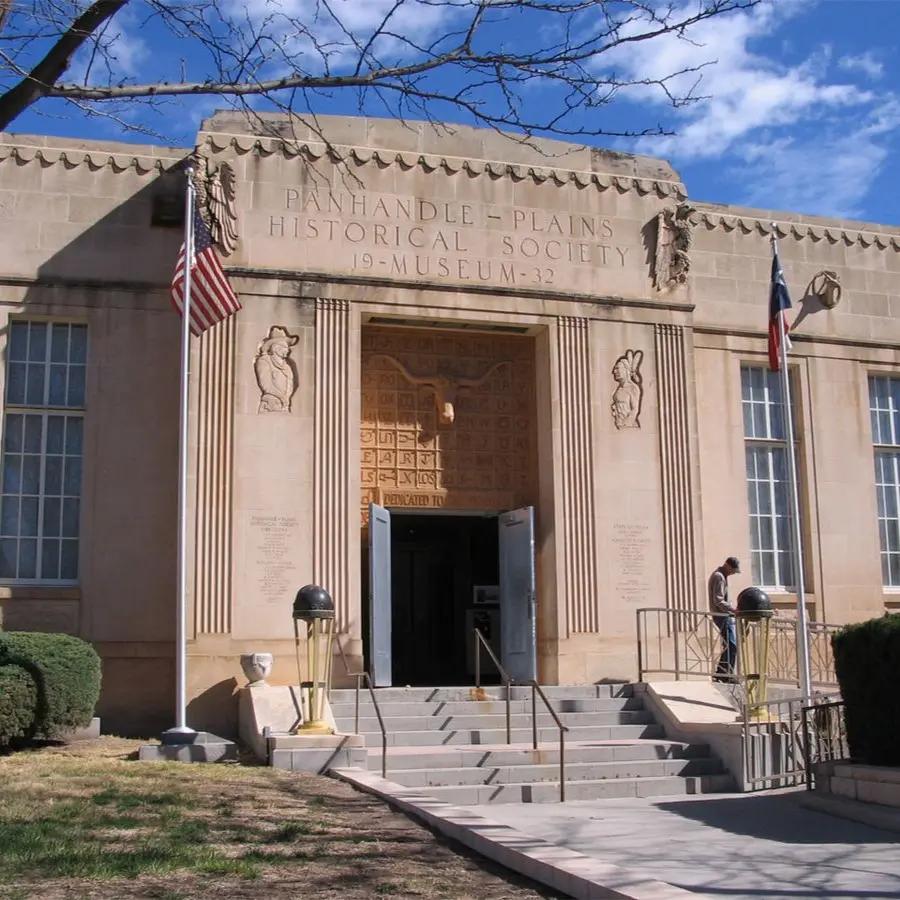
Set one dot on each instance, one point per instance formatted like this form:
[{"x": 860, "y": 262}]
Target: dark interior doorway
[{"x": 444, "y": 576}]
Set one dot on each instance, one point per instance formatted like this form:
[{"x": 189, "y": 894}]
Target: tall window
[
  {"x": 43, "y": 428},
  {"x": 772, "y": 558},
  {"x": 884, "y": 409}
]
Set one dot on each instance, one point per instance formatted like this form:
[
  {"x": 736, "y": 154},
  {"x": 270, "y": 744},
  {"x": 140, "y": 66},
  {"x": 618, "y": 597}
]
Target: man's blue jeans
[{"x": 725, "y": 624}]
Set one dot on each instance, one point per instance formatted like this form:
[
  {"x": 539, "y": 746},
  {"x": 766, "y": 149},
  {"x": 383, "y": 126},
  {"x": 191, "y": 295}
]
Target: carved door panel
[
  {"x": 380, "y": 595},
  {"x": 518, "y": 627}
]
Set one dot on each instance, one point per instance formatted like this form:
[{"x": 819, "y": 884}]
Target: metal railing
[
  {"x": 535, "y": 693},
  {"x": 783, "y": 739},
  {"x": 507, "y": 681},
  {"x": 364, "y": 676},
  {"x": 687, "y": 643},
  {"x": 773, "y": 744},
  {"x": 824, "y": 736},
  {"x": 536, "y": 689}
]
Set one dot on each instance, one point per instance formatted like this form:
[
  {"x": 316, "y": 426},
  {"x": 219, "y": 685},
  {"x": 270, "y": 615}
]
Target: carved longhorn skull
[{"x": 446, "y": 389}]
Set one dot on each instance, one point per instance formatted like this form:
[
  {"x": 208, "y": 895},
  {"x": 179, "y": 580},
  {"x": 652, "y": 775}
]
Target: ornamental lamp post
[
  {"x": 754, "y": 614},
  {"x": 314, "y": 608}
]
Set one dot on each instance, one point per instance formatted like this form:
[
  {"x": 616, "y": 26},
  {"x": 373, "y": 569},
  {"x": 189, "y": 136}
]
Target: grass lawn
[{"x": 86, "y": 820}]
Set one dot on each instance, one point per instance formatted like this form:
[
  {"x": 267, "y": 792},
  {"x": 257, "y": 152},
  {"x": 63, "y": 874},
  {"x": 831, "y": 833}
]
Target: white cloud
[
  {"x": 793, "y": 136},
  {"x": 745, "y": 90},
  {"x": 117, "y": 52},
  {"x": 343, "y": 27},
  {"x": 867, "y": 63},
  {"x": 828, "y": 172}
]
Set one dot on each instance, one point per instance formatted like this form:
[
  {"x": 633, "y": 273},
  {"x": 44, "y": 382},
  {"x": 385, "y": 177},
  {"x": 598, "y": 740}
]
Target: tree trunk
[{"x": 51, "y": 68}]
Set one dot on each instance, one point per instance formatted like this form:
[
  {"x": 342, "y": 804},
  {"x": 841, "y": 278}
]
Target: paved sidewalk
[{"x": 735, "y": 846}]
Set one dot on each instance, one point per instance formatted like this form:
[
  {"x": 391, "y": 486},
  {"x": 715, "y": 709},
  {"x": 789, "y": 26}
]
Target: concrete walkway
[{"x": 735, "y": 846}]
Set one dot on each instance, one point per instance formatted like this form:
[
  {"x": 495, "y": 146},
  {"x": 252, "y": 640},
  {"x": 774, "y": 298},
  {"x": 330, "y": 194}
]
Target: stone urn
[{"x": 257, "y": 667}]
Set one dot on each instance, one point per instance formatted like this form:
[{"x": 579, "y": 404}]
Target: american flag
[
  {"x": 779, "y": 304},
  {"x": 212, "y": 297}
]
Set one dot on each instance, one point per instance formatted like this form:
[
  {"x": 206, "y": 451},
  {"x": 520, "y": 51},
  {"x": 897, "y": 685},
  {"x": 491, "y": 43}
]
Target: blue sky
[{"x": 803, "y": 110}]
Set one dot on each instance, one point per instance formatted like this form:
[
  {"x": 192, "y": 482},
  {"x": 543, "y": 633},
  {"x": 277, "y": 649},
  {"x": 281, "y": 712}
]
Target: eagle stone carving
[{"x": 215, "y": 187}]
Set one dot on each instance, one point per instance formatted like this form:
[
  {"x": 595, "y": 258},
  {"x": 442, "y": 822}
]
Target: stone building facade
[{"x": 451, "y": 326}]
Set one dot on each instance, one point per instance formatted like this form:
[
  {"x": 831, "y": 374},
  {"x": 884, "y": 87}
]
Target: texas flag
[{"x": 779, "y": 304}]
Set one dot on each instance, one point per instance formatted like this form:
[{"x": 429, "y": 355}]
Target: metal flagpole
[
  {"x": 803, "y": 668},
  {"x": 181, "y": 726}
]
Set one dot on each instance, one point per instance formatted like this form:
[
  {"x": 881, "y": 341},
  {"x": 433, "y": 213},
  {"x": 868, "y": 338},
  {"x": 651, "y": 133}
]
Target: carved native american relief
[
  {"x": 627, "y": 397},
  {"x": 274, "y": 370},
  {"x": 447, "y": 420}
]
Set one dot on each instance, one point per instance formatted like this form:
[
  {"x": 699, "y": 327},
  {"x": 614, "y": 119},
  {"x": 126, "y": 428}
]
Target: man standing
[{"x": 719, "y": 605}]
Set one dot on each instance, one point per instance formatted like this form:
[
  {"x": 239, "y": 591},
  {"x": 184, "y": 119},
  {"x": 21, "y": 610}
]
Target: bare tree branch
[
  {"x": 41, "y": 79},
  {"x": 483, "y": 59}
]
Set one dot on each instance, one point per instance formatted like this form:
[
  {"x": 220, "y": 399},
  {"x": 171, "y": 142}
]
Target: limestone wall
[{"x": 462, "y": 229}]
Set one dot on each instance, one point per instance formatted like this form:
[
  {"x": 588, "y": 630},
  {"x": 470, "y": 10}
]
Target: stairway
[{"x": 454, "y": 748}]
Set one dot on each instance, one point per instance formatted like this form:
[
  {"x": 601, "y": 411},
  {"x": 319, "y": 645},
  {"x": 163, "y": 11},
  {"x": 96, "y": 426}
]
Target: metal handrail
[
  {"x": 685, "y": 643},
  {"x": 479, "y": 643},
  {"x": 360, "y": 676},
  {"x": 536, "y": 690}
]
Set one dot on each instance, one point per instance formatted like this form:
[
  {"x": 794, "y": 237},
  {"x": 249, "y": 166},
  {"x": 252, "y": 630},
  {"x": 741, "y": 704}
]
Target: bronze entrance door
[{"x": 433, "y": 578}]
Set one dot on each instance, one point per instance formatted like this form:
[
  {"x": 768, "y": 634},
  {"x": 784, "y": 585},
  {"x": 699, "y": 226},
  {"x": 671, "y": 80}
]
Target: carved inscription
[
  {"x": 273, "y": 538},
  {"x": 391, "y": 236},
  {"x": 412, "y": 457},
  {"x": 631, "y": 542}
]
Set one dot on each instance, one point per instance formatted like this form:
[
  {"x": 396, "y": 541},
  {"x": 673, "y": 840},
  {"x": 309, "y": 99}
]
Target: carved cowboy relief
[
  {"x": 672, "y": 261},
  {"x": 274, "y": 370},
  {"x": 627, "y": 397}
]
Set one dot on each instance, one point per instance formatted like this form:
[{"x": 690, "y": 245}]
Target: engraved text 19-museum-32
[{"x": 395, "y": 236}]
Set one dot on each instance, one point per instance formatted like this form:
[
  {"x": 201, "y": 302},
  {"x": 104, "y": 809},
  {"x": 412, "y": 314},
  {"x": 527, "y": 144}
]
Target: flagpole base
[
  {"x": 187, "y": 745},
  {"x": 180, "y": 734}
]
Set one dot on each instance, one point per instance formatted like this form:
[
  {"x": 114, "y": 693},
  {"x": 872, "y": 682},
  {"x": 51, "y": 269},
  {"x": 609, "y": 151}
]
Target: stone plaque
[
  {"x": 631, "y": 542},
  {"x": 273, "y": 538}
]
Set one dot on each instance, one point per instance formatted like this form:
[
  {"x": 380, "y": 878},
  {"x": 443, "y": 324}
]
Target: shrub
[
  {"x": 867, "y": 661},
  {"x": 66, "y": 674},
  {"x": 18, "y": 702}
]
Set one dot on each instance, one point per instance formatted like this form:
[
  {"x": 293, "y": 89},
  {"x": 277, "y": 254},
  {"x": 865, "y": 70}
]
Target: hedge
[
  {"x": 867, "y": 661},
  {"x": 18, "y": 699},
  {"x": 65, "y": 676}
]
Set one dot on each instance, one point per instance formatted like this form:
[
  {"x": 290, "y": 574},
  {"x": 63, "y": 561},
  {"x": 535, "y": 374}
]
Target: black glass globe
[
  {"x": 313, "y": 602},
  {"x": 753, "y": 603}
]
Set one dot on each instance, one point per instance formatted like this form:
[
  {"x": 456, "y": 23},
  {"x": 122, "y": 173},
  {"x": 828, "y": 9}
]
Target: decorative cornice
[
  {"x": 749, "y": 224},
  {"x": 72, "y": 157},
  {"x": 430, "y": 162}
]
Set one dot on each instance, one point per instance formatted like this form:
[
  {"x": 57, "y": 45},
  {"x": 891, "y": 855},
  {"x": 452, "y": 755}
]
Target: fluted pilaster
[
  {"x": 578, "y": 580},
  {"x": 215, "y": 461},
  {"x": 331, "y": 472},
  {"x": 677, "y": 490}
]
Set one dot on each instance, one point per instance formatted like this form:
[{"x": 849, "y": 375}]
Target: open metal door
[
  {"x": 518, "y": 628},
  {"x": 380, "y": 595}
]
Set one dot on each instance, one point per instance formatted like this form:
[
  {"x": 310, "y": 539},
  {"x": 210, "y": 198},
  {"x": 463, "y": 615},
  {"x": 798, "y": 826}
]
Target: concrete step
[
  {"x": 519, "y": 735},
  {"x": 518, "y": 721},
  {"x": 436, "y": 757},
  {"x": 346, "y": 709},
  {"x": 519, "y": 692},
  {"x": 548, "y": 792},
  {"x": 575, "y": 771}
]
